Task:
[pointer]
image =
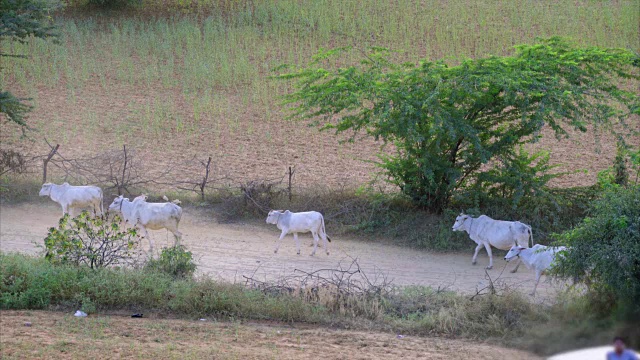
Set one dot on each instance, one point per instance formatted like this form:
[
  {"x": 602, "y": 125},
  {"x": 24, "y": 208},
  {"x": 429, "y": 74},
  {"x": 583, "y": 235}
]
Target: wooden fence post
[
  {"x": 291, "y": 172},
  {"x": 46, "y": 162}
]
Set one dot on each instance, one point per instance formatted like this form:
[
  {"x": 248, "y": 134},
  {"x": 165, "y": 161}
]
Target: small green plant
[
  {"x": 175, "y": 261},
  {"x": 94, "y": 241},
  {"x": 625, "y": 164}
]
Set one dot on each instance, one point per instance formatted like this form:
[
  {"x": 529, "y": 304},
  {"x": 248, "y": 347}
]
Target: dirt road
[{"x": 229, "y": 251}]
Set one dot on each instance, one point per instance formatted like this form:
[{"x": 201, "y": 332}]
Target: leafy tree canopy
[
  {"x": 446, "y": 121},
  {"x": 21, "y": 20}
]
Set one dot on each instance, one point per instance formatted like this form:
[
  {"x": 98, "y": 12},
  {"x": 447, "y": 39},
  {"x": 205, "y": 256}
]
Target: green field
[{"x": 198, "y": 75}]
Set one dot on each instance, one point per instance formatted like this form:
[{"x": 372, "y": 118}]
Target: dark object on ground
[{"x": 136, "y": 315}]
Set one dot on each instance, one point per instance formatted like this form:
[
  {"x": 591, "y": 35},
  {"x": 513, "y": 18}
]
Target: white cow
[
  {"x": 488, "y": 232},
  {"x": 154, "y": 216},
  {"x": 538, "y": 258},
  {"x": 301, "y": 222},
  {"x": 70, "y": 197}
]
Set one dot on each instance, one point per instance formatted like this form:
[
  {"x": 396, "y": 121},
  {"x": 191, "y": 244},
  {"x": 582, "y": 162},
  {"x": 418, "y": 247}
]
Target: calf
[
  {"x": 70, "y": 197},
  {"x": 538, "y": 258},
  {"x": 301, "y": 222}
]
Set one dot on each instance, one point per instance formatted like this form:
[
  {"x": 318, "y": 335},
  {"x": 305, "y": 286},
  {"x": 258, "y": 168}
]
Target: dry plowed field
[{"x": 231, "y": 251}]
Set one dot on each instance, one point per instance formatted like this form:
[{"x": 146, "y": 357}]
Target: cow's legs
[
  {"x": 475, "y": 254},
  {"x": 97, "y": 208},
  {"x": 295, "y": 237},
  {"x": 315, "y": 242},
  {"x": 282, "y": 235},
  {"x": 146, "y": 234},
  {"x": 538, "y": 275},
  {"x": 488, "y": 247},
  {"x": 518, "y": 262},
  {"x": 176, "y": 234},
  {"x": 325, "y": 243}
]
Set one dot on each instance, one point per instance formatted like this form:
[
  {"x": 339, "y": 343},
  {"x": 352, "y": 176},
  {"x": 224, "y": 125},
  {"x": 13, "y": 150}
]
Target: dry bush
[
  {"x": 17, "y": 172},
  {"x": 346, "y": 290},
  {"x": 12, "y": 161},
  {"x": 260, "y": 196},
  {"x": 114, "y": 170}
]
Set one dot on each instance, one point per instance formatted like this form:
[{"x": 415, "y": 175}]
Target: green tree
[
  {"x": 446, "y": 122},
  {"x": 21, "y": 20}
]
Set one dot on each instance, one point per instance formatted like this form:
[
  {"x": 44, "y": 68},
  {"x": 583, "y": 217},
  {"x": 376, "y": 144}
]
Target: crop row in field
[{"x": 201, "y": 83}]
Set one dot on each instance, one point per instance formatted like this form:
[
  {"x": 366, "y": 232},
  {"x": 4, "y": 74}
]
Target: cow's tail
[
  {"x": 530, "y": 235},
  {"x": 324, "y": 231}
]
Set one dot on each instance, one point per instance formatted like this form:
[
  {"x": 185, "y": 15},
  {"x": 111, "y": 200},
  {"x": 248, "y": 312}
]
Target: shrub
[
  {"x": 605, "y": 248},
  {"x": 518, "y": 177},
  {"x": 95, "y": 241},
  {"x": 174, "y": 261},
  {"x": 621, "y": 174}
]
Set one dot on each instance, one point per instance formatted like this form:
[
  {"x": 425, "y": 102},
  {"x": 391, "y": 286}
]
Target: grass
[
  {"x": 506, "y": 317},
  {"x": 56, "y": 334}
]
